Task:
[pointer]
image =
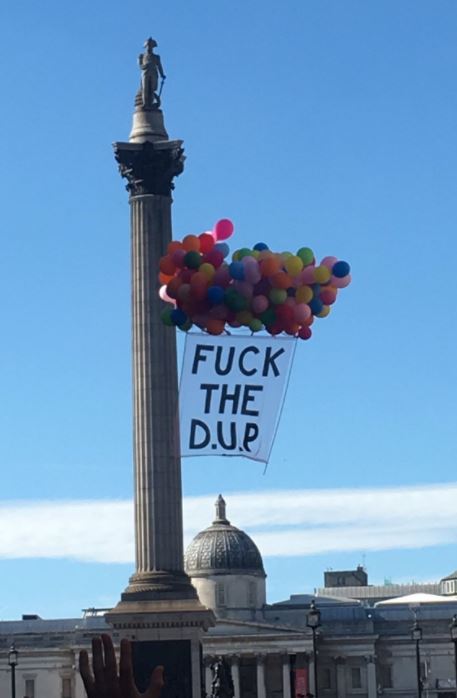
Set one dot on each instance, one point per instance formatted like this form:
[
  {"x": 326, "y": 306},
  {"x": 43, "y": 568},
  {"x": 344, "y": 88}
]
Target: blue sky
[{"x": 314, "y": 123}]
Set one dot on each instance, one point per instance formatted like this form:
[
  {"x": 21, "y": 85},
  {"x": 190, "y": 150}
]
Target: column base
[{"x": 159, "y": 586}]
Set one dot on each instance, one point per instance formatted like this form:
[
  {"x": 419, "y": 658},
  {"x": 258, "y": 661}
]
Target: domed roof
[{"x": 222, "y": 549}]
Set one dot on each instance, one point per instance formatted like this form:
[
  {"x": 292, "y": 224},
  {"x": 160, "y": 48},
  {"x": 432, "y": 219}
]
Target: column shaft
[
  {"x": 235, "y": 668},
  {"x": 371, "y": 679},
  {"x": 286, "y": 676},
  {"x": 158, "y": 508},
  {"x": 261, "y": 687}
]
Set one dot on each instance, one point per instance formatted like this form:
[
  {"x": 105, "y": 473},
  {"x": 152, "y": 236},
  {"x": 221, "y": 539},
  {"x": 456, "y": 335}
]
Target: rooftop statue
[{"x": 151, "y": 69}]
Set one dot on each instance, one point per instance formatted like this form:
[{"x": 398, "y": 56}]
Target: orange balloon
[
  {"x": 270, "y": 266},
  {"x": 281, "y": 280},
  {"x": 191, "y": 242},
  {"x": 215, "y": 326},
  {"x": 173, "y": 246},
  {"x": 173, "y": 286},
  {"x": 167, "y": 266},
  {"x": 165, "y": 278}
]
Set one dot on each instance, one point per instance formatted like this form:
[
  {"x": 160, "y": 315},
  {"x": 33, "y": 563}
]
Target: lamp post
[
  {"x": 453, "y": 631},
  {"x": 12, "y": 661},
  {"x": 313, "y": 621},
  {"x": 416, "y": 634}
]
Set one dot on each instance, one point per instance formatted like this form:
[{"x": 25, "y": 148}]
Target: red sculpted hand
[{"x": 105, "y": 682}]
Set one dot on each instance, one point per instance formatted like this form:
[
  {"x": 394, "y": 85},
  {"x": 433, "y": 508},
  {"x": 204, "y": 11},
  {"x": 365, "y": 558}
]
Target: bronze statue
[
  {"x": 222, "y": 684},
  {"x": 151, "y": 68}
]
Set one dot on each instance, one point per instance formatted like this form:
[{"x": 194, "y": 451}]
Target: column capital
[{"x": 150, "y": 168}]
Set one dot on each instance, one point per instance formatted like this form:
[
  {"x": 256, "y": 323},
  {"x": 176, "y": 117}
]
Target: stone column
[
  {"x": 261, "y": 686},
  {"x": 372, "y": 686},
  {"x": 159, "y": 610},
  {"x": 208, "y": 674},
  {"x": 312, "y": 674},
  {"x": 286, "y": 690},
  {"x": 149, "y": 171},
  {"x": 235, "y": 669},
  {"x": 340, "y": 677}
]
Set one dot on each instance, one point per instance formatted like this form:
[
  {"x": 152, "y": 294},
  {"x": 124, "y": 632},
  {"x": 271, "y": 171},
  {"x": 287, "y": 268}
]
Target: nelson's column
[{"x": 159, "y": 610}]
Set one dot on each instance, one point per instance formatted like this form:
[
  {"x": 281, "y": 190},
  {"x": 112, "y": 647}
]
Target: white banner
[{"x": 231, "y": 394}]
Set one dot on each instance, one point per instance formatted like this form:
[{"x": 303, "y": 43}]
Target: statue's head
[{"x": 150, "y": 44}]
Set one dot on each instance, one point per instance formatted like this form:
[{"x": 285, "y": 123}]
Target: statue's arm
[
  {"x": 140, "y": 59},
  {"x": 160, "y": 69}
]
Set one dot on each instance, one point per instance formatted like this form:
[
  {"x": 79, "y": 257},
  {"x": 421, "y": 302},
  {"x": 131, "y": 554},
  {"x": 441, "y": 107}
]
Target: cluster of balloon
[{"x": 259, "y": 289}]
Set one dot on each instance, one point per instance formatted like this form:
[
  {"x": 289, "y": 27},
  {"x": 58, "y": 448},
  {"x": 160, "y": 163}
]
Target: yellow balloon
[
  {"x": 324, "y": 312},
  {"x": 322, "y": 274},
  {"x": 304, "y": 294},
  {"x": 207, "y": 269},
  {"x": 293, "y": 265},
  {"x": 244, "y": 317}
]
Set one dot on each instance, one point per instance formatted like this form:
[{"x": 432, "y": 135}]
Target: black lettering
[
  {"x": 243, "y": 369},
  {"x": 229, "y": 397},
  {"x": 251, "y": 432},
  {"x": 228, "y": 366},
  {"x": 220, "y": 436},
  {"x": 247, "y": 397},
  {"x": 270, "y": 361},
  {"x": 193, "y": 428},
  {"x": 199, "y": 356},
  {"x": 209, "y": 387}
]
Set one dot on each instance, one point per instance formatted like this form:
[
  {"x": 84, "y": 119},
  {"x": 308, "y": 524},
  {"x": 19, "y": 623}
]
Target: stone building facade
[{"x": 364, "y": 650}]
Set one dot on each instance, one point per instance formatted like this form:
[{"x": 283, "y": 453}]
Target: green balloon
[
  {"x": 255, "y": 325},
  {"x": 306, "y": 255},
  {"x": 192, "y": 259},
  {"x": 185, "y": 327},
  {"x": 277, "y": 295},
  {"x": 268, "y": 317},
  {"x": 244, "y": 252},
  {"x": 166, "y": 317}
]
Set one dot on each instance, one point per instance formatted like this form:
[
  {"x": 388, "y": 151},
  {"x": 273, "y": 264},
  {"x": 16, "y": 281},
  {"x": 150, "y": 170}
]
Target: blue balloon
[
  {"x": 236, "y": 270},
  {"x": 316, "y": 306},
  {"x": 340, "y": 269},
  {"x": 178, "y": 317},
  {"x": 222, "y": 247},
  {"x": 260, "y": 246},
  {"x": 216, "y": 295}
]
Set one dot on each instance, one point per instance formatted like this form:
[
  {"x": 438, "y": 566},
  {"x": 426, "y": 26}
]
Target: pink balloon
[
  {"x": 244, "y": 287},
  {"x": 223, "y": 229},
  {"x": 302, "y": 312},
  {"x": 178, "y": 258},
  {"x": 307, "y": 275},
  {"x": 251, "y": 270},
  {"x": 164, "y": 295},
  {"x": 221, "y": 277},
  {"x": 340, "y": 283},
  {"x": 260, "y": 303},
  {"x": 329, "y": 262}
]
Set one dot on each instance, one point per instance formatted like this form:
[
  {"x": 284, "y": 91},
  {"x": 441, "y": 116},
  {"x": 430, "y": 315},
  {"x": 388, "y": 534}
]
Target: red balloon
[
  {"x": 206, "y": 242},
  {"x": 214, "y": 257},
  {"x": 305, "y": 332},
  {"x": 223, "y": 229}
]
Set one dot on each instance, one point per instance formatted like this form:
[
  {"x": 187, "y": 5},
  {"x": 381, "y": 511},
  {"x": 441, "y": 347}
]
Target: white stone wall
[{"x": 236, "y": 591}]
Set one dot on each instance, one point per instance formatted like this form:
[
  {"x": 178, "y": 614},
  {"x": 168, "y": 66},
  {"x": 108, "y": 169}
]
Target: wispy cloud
[{"x": 282, "y": 522}]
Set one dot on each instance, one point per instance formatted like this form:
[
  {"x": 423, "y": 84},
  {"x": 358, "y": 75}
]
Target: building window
[
  {"x": 66, "y": 688},
  {"x": 29, "y": 688},
  {"x": 385, "y": 676},
  {"x": 325, "y": 676},
  {"x": 356, "y": 677},
  {"x": 220, "y": 594}
]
